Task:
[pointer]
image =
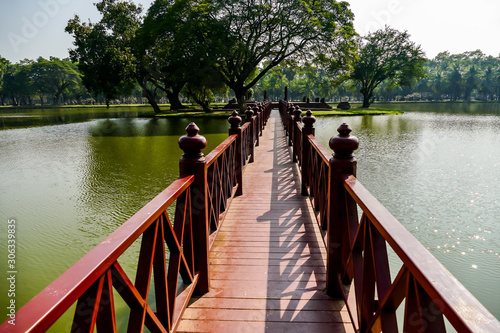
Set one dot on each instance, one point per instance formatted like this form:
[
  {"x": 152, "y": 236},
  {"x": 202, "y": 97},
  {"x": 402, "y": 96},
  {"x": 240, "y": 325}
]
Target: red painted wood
[
  {"x": 44, "y": 309},
  {"x": 431, "y": 275},
  {"x": 268, "y": 260},
  {"x": 357, "y": 253},
  {"x": 106, "y": 318}
]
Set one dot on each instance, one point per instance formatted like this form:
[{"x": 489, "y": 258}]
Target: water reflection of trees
[{"x": 128, "y": 162}]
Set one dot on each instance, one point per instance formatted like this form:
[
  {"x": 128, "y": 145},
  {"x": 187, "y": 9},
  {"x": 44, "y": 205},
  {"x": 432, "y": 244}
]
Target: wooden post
[
  {"x": 235, "y": 128},
  {"x": 193, "y": 163},
  {"x": 290, "y": 125},
  {"x": 307, "y": 129},
  {"x": 248, "y": 119},
  {"x": 261, "y": 118},
  {"x": 296, "y": 133},
  {"x": 255, "y": 124},
  {"x": 342, "y": 163}
]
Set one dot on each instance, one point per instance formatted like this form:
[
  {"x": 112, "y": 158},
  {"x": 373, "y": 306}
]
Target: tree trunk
[
  {"x": 366, "y": 100},
  {"x": 151, "y": 99},
  {"x": 204, "y": 104},
  {"x": 241, "y": 98},
  {"x": 242, "y": 102},
  {"x": 173, "y": 97}
]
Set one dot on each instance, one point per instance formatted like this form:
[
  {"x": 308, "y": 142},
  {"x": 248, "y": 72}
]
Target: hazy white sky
[{"x": 33, "y": 28}]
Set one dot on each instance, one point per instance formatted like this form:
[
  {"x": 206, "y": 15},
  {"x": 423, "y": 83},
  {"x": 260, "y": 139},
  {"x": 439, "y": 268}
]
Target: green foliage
[
  {"x": 54, "y": 76},
  {"x": 464, "y": 76},
  {"x": 178, "y": 43},
  {"x": 269, "y": 32},
  {"x": 52, "y": 79},
  {"x": 103, "y": 50},
  {"x": 387, "y": 55}
]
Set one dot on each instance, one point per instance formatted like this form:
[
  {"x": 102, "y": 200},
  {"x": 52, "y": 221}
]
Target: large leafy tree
[
  {"x": 455, "y": 84},
  {"x": 387, "y": 54},
  {"x": 54, "y": 77},
  {"x": 18, "y": 85},
  {"x": 256, "y": 32},
  {"x": 471, "y": 82},
  {"x": 178, "y": 46},
  {"x": 104, "y": 50},
  {"x": 4, "y": 65}
]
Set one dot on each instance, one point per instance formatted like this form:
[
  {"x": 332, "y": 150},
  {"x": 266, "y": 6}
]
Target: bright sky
[{"x": 33, "y": 28}]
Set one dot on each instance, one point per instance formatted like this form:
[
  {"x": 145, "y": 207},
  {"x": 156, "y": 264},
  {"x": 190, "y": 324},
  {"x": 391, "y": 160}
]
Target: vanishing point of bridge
[{"x": 247, "y": 240}]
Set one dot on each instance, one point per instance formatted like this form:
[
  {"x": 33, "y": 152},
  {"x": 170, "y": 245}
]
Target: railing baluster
[
  {"x": 308, "y": 129},
  {"x": 342, "y": 163},
  {"x": 87, "y": 308},
  {"x": 106, "y": 319},
  {"x": 193, "y": 163},
  {"x": 357, "y": 251},
  {"x": 235, "y": 128},
  {"x": 249, "y": 119},
  {"x": 160, "y": 276}
]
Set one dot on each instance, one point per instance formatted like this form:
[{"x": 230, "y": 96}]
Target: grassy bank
[
  {"x": 193, "y": 115},
  {"x": 146, "y": 111},
  {"x": 356, "y": 112}
]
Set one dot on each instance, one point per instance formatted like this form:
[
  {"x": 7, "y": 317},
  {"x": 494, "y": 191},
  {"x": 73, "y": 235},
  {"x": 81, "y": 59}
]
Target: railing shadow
[{"x": 297, "y": 275}]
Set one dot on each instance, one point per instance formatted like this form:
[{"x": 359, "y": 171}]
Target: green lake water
[{"x": 68, "y": 186}]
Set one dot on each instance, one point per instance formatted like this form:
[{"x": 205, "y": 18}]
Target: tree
[
  {"x": 387, "y": 54},
  {"x": 103, "y": 50},
  {"x": 177, "y": 49},
  {"x": 18, "y": 83},
  {"x": 256, "y": 32},
  {"x": 455, "y": 83},
  {"x": 470, "y": 83},
  {"x": 54, "y": 76},
  {"x": 4, "y": 65},
  {"x": 487, "y": 84}
]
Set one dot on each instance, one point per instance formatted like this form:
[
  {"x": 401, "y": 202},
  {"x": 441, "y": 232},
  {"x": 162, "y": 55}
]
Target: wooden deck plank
[{"x": 268, "y": 262}]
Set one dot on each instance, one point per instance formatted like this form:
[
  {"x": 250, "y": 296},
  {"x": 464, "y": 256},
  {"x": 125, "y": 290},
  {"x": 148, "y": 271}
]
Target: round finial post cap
[
  {"x": 192, "y": 143},
  {"x": 308, "y": 120},
  {"x": 296, "y": 113},
  {"x": 249, "y": 113},
  {"x": 234, "y": 120},
  {"x": 344, "y": 144}
]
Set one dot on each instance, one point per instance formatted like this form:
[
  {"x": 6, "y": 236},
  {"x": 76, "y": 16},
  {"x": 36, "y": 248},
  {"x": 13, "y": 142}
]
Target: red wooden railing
[
  {"x": 173, "y": 252},
  {"x": 357, "y": 260}
]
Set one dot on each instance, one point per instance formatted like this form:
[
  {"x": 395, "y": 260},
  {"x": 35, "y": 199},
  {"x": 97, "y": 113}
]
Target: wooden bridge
[{"x": 259, "y": 243}]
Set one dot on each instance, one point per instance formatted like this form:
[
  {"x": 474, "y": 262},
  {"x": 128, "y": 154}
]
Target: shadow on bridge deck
[{"x": 268, "y": 263}]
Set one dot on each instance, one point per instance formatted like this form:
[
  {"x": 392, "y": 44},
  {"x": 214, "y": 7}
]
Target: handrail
[
  {"x": 322, "y": 151},
  {"x": 44, "y": 309},
  {"x": 219, "y": 150},
  {"x": 202, "y": 194},
  {"x": 357, "y": 261},
  {"x": 448, "y": 295}
]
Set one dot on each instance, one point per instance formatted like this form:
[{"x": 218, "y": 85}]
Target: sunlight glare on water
[{"x": 439, "y": 175}]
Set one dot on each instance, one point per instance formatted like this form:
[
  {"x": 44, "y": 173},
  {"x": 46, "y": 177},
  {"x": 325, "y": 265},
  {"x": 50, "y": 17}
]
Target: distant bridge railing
[
  {"x": 175, "y": 250},
  {"x": 357, "y": 260}
]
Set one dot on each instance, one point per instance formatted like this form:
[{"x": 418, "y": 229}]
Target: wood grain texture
[{"x": 268, "y": 261}]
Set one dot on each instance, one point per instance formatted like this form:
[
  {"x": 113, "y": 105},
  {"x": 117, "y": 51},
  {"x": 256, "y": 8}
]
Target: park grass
[
  {"x": 194, "y": 115},
  {"x": 356, "y": 112},
  {"x": 332, "y": 113},
  {"x": 191, "y": 111}
]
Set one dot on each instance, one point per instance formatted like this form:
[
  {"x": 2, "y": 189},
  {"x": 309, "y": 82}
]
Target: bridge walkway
[{"x": 268, "y": 262}]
